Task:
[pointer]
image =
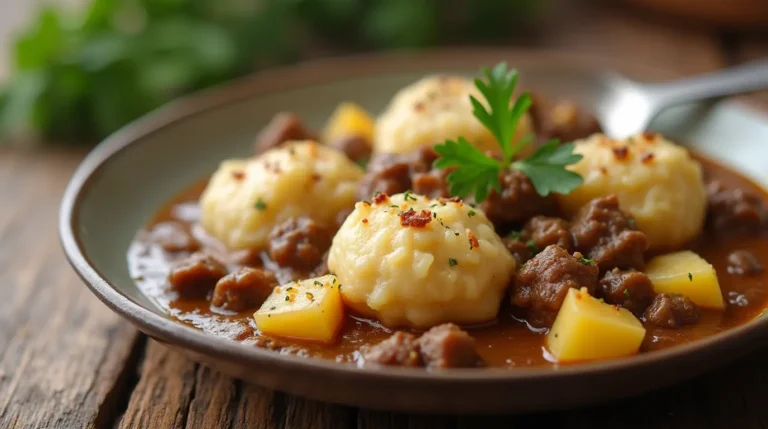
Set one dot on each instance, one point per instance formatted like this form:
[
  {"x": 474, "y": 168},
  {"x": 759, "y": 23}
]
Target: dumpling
[
  {"x": 246, "y": 198},
  {"x": 655, "y": 180},
  {"x": 432, "y": 110},
  {"x": 408, "y": 260}
]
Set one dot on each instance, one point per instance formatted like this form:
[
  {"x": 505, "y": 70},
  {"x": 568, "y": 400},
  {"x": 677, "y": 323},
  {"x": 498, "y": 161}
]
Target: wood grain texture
[{"x": 64, "y": 357}]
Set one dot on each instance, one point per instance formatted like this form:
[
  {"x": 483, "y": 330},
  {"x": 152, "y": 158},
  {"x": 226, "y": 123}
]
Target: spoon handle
[{"x": 752, "y": 76}]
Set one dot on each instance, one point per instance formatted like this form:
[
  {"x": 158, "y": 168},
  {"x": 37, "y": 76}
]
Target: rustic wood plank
[
  {"x": 65, "y": 359},
  {"x": 609, "y": 30}
]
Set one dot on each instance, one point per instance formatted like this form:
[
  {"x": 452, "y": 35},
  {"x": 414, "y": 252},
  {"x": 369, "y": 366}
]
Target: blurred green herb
[{"x": 81, "y": 76}]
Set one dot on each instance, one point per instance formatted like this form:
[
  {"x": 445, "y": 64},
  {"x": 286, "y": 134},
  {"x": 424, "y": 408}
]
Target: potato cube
[
  {"x": 588, "y": 328},
  {"x": 349, "y": 120},
  {"x": 688, "y": 274},
  {"x": 309, "y": 309}
]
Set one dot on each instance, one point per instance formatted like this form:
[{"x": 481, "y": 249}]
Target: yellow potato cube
[
  {"x": 309, "y": 310},
  {"x": 688, "y": 274},
  {"x": 587, "y": 328},
  {"x": 349, "y": 120}
]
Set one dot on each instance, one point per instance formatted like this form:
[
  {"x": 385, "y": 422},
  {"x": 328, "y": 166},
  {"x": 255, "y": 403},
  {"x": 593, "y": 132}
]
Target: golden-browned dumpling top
[
  {"x": 408, "y": 260},
  {"x": 432, "y": 110},
  {"x": 246, "y": 198},
  {"x": 655, "y": 180}
]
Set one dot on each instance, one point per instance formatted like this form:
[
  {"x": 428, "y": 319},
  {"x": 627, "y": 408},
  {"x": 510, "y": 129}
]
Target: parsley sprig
[{"x": 477, "y": 173}]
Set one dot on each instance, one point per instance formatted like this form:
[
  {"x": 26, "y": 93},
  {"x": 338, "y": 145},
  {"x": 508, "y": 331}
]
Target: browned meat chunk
[
  {"x": 283, "y": 127},
  {"x": 542, "y": 283},
  {"x": 196, "y": 275},
  {"x": 387, "y": 173},
  {"x": 299, "y": 243},
  {"x": 744, "y": 263},
  {"x": 629, "y": 289},
  {"x": 447, "y": 346},
  {"x": 517, "y": 202},
  {"x": 672, "y": 311},
  {"x": 244, "y": 289},
  {"x": 433, "y": 183},
  {"x": 519, "y": 249},
  {"x": 734, "y": 210},
  {"x": 563, "y": 120},
  {"x": 400, "y": 349},
  {"x": 356, "y": 148},
  {"x": 173, "y": 237},
  {"x": 606, "y": 234},
  {"x": 543, "y": 231}
]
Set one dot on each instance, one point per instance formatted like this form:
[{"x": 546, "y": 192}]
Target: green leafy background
[{"x": 79, "y": 76}]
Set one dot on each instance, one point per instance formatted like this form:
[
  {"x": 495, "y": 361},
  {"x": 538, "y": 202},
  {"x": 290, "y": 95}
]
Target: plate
[{"x": 121, "y": 184}]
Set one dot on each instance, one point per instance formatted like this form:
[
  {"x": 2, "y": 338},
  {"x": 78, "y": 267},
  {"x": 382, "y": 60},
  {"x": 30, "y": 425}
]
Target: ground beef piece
[
  {"x": 517, "y": 202},
  {"x": 629, "y": 289},
  {"x": 244, "y": 289},
  {"x": 283, "y": 127},
  {"x": 672, "y": 311},
  {"x": 542, "y": 283},
  {"x": 356, "y": 148},
  {"x": 299, "y": 243},
  {"x": 433, "y": 184},
  {"x": 734, "y": 211},
  {"x": 447, "y": 346},
  {"x": 387, "y": 173},
  {"x": 400, "y": 349},
  {"x": 563, "y": 120},
  {"x": 518, "y": 249},
  {"x": 173, "y": 237},
  {"x": 606, "y": 234},
  {"x": 196, "y": 275},
  {"x": 744, "y": 263},
  {"x": 543, "y": 231}
]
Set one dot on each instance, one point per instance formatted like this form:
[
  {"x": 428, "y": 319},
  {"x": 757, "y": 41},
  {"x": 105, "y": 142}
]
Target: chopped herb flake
[
  {"x": 318, "y": 283},
  {"x": 471, "y": 213},
  {"x": 626, "y": 293},
  {"x": 452, "y": 262},
  {"x": 260, "y": 205},
  {"x": 408, "y": 196},
  {"x": 531, "y": 245},
  {"x": 515, "y": 235},
  {"x": 587, "y": 261},
  {"x": 690, "y": 277}
]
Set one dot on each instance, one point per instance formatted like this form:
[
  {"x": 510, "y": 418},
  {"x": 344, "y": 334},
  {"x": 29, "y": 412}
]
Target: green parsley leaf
[
  {"x": 476, "y": 174},
  {"x": 471, "y": 213},
  {"x": 690, "y": 277},
  {"x": 452, "y": 262},
  {"x": 502, "y": 119},
  {"x": 546, "y": 168}
]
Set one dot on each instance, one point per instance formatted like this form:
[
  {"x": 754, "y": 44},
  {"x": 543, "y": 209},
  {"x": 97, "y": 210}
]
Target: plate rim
[{"x": 326, "y": 70}]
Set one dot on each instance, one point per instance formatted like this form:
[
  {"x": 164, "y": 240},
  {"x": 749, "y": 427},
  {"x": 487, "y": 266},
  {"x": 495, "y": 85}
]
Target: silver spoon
[{"x": 627, "y": 107}]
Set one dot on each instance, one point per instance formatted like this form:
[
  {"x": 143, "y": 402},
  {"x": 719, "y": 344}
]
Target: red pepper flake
[
  {"x": 415, "y": 219},
  {"x": 650, "y": 137},
  {"x": 316, "y": 177},
  {"x": 621, "y": 153},
  {"x": 365, "y": 220},
  {"x": 603, "y": 171},
  {"x": 647, "y": 158},
  {"x": 238, "y": 175},
  {"x": 380, "y": 198},
  {"x": 473, "y": 243},
  {"x": 419, "y": 107}
]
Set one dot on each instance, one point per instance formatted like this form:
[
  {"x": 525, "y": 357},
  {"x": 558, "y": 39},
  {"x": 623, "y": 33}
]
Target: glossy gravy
[{"x": 506, "y": 342}]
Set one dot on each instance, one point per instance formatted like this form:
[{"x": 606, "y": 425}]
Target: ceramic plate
[{"x": 126, "y": 178}]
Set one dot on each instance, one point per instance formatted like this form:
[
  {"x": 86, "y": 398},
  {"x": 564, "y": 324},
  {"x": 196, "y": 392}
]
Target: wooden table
[{"x": 67, "y": 361}]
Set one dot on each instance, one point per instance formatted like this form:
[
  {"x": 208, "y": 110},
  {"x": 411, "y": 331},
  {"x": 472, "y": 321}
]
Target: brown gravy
[{"x": 507, "y": 342}]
